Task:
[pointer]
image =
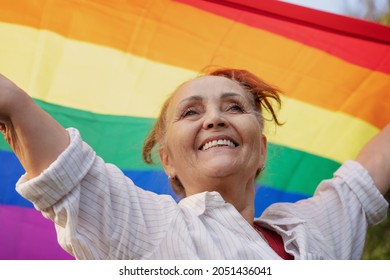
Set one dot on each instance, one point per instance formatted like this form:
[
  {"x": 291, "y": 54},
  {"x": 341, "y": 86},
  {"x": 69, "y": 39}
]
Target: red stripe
[
  {"x": 359, "y": 42},
  {"x": 319, "y": 19}
]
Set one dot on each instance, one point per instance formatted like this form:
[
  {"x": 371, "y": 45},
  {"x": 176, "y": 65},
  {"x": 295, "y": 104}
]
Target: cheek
[
  {"x": 252, "y": 132},
  {"x": 254, "y": 139},
  {"x": 180, "y": 141}
]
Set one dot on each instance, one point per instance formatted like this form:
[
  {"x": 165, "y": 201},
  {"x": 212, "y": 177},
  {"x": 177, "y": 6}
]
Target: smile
[{"x": 218, "y": 143}]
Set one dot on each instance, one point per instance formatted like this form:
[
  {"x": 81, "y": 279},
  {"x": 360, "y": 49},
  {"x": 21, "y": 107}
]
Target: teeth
[{"x": 214, "y": 143}]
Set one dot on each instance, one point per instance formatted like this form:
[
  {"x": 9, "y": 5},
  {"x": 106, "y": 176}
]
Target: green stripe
[
  {"x": 3, "y": 145},
  {"x": 119, "y": 140},
  {"x": 116, "y": 139},
  {"x": 296, "y": 171}
]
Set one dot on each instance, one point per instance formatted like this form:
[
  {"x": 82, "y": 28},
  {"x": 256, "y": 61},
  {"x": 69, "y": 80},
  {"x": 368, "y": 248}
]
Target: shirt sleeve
[
  {"x": 333, "y": 223},
  {"x": 99, "y": 213}
]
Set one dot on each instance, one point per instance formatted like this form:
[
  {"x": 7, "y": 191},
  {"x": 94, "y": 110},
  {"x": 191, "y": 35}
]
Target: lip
[{"x": 218, "y": 137}]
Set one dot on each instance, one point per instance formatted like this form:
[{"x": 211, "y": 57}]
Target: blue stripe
[
  {"x": 265, "y": 196},
  {"x": 10, "y": 172},
  {"x": 151, "y": 180}
]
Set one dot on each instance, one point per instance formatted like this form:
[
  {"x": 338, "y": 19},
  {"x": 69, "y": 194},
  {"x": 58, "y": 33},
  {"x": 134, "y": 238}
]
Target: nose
[{"x": 214, "y": 120}]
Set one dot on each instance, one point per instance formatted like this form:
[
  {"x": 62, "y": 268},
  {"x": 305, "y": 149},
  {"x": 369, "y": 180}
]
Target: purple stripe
[{"x": 26, "y": 234}]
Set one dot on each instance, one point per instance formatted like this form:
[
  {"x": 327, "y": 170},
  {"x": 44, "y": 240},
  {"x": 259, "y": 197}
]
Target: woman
[{"x": 210, "y": 143}]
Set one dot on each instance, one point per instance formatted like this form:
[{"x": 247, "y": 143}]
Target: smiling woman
[{"x": 209, "y": 138}]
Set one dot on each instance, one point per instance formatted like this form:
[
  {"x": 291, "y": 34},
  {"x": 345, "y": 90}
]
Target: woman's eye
[
  {"x": 188, "y": 113},
  {"x": 236, "y": 108}
]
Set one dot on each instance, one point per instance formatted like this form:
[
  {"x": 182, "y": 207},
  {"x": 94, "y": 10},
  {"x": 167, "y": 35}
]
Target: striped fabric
[
  {"x": 100, "y": 214},
  {"x": 105, "y": 67}
]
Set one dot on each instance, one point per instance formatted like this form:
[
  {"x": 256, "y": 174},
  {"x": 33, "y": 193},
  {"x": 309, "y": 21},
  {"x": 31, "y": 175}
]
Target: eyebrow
[
  {"x": 231, "y": 94},
  {"x": 191, "y": 98},
  {"x": 200, "y": 98}
]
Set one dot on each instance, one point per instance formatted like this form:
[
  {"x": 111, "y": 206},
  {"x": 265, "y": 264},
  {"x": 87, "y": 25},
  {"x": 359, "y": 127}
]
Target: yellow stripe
[
  {"x": 63, "y": 71},
  {"x": 85, "y": 76},
  {"x": 308, "y": 128}
]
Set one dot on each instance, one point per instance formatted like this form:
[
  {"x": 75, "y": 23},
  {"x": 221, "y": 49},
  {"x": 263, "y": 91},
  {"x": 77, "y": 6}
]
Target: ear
[{"x": 166, "y": 162}]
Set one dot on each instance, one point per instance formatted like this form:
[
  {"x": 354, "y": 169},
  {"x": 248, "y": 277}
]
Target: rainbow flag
[{"x": 106, "y": 66}]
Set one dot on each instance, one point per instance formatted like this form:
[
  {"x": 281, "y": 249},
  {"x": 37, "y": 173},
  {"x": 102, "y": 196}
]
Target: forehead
[{"x": 208, "y": 86}]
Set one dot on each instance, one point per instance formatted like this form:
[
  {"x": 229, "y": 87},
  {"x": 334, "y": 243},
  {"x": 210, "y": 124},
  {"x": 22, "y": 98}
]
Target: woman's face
[{"x": 213, "y": 131}]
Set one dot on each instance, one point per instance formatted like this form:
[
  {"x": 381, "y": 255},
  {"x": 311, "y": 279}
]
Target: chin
[{"x": 221, "y": 170}]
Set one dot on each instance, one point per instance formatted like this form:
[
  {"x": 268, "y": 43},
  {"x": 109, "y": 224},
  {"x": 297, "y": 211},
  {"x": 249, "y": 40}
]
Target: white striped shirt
[{"x": 100, "y": 214}]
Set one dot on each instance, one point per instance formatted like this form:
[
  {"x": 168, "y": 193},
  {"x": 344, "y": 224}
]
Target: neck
[{"x": 235, "y": 191}]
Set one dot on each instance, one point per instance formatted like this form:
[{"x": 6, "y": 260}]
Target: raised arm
[
  {"x": 36, "y": 138},
  {"x": 375, "y": 157}
]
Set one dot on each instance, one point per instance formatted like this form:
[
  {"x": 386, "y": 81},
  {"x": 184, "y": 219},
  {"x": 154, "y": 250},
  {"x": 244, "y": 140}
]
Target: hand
[{"x": 375, "y": 157}]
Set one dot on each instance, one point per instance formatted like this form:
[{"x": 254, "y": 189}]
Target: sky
[{"x": 345, "y": 7}]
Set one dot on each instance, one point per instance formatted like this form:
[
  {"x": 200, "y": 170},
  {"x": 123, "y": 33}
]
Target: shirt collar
[{"x": 201, "y": 202}]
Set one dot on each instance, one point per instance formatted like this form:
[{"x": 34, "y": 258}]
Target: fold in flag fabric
[{"x": 105, "y": 67}]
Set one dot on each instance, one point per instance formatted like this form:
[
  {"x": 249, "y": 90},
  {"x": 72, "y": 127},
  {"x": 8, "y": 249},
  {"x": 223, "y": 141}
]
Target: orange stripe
[
  {"x": 350, "y": 39},
  {"x": 156, "y": 30}
]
